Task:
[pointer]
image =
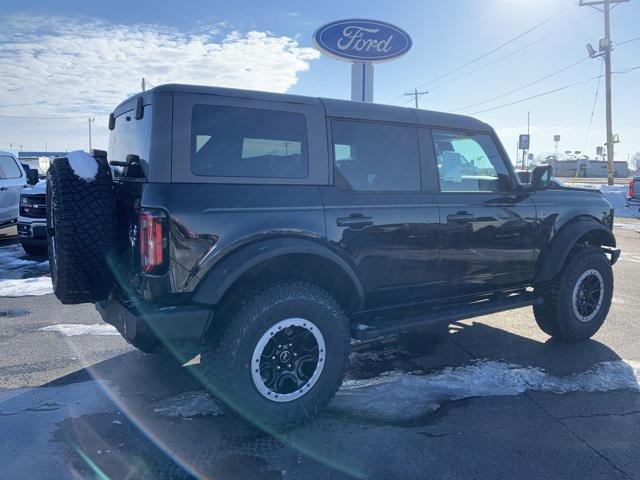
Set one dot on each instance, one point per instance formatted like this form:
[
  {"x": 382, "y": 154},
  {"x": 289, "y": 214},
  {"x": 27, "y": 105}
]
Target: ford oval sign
[{"x": 359, "y": 40}]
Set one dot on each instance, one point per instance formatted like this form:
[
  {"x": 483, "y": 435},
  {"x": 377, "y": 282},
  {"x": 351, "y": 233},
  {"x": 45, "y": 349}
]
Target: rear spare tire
[{"x": 80, "y": 228}]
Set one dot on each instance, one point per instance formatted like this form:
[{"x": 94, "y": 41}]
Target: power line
[
  {"x": 484, "y": 55},
  {"x": 551, "y": 91},
  {"x": 593, "y": 109},
  {"x": 563, "y": 69},
  {"x": 617, "y": 44},
  {"x": 510, "y": 54}
]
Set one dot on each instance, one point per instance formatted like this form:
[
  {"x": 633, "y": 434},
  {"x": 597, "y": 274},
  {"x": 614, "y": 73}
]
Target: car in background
[
  {"x": 633, "y": 193},
  {"x": 13, "y": 179},
  {"x": 32, "y": 219}
]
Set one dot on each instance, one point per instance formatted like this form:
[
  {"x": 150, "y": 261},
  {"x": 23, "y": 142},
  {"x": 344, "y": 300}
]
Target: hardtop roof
[{"x": 333, "y": 107}]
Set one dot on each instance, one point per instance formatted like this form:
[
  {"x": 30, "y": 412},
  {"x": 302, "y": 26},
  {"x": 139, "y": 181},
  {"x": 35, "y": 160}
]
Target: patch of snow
[
  {"x": 83, "y": 164},
  {"x": 617, "y": 197},
  {"x": 400, "y": 396},
  {"x": 24, "y": 287},
  {"x": 627, "y": 226},
  {"x": 75, "y": 329},
  {"x": 188, "y": 404}
]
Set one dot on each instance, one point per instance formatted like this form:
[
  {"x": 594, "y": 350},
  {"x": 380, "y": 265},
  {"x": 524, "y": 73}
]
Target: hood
[{"x": 39, "y": 188}]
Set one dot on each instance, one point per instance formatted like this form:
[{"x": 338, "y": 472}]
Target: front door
[
  {"x": 487, "y": 223},
  {"x": 377, "y": 215}
]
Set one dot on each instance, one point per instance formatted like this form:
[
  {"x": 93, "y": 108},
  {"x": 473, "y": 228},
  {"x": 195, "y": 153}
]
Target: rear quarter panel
[{"x": 209, "y": 221}]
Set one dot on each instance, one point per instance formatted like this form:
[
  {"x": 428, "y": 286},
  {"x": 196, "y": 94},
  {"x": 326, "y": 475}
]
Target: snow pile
[
  {"x": 399, "y": 396},
  {"x": 83, "y": 164},
  {"x": 617, "y": 197},
  {"x": 75, "y": 329},
  {"x": 187, "y": 404},
  {"x": 26, "y": 287}
]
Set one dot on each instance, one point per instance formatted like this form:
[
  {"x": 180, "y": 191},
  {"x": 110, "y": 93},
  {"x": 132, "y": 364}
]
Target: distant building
[{"x": 586, "y": 168}]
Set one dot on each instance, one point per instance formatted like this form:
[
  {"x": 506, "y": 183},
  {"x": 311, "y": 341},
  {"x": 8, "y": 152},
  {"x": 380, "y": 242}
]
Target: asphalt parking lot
[{"x": 491, "y": 397}]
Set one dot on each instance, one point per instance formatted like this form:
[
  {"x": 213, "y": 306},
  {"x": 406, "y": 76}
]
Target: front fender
[
  {"x": 223, "y": 274},
  {"x": 553, "y": 257}
]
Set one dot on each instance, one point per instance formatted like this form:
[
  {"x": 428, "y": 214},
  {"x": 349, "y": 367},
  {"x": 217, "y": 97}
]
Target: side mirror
[
  {"x": 541, "y": 177},
  {"x": 32, "y": 176}
]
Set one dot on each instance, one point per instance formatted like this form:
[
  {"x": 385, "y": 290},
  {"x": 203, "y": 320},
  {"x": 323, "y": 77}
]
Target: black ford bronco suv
[{"x": 270, "y": 229}]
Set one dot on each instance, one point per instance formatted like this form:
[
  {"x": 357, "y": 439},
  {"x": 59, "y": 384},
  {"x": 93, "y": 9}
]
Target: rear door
[
  {"x": 487, "y": 224},
  {"x": 377, "y": 214},
  {"x": 12, "y": 181}
]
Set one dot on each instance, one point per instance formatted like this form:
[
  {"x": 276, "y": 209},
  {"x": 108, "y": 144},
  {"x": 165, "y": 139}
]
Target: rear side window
[
  {"x": 9, "y": 168},
  {"x": 469, "y": 162},
  {"x": 245, "y": 142},
  {"x": 375, "y": 157}
]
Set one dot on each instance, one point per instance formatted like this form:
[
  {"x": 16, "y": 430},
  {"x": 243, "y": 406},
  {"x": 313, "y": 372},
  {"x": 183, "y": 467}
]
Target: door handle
[
  {"x": 460, "y": 217},
  {"x": 355, "y": 220}
]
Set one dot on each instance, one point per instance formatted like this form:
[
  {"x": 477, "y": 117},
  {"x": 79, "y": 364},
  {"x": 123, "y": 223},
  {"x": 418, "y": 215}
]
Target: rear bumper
[
  {"x": 180, "y": 322},
  {"x": 633, "y": 202}
]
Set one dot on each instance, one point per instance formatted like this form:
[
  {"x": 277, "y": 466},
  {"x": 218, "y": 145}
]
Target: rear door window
[
  {"x": 9, "y": 168},
  {"x": 245, "y": 142},
  {"x": 375, "y": 157}
]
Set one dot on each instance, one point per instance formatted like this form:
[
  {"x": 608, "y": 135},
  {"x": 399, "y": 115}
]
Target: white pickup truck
[{"x": 13, "y": 178}]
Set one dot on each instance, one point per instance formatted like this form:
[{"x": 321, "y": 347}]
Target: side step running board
[{"x": 453, "y": 313}]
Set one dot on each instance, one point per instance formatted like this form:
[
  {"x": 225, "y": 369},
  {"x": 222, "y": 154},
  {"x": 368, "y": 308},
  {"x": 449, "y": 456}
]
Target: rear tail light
[
  {"x": 630, "y": 190},
  {"x": 153, "y": 241}
]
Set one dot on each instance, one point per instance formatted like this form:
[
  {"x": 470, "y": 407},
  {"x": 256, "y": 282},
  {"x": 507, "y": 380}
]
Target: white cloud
[{"x": 62, "y": 66}]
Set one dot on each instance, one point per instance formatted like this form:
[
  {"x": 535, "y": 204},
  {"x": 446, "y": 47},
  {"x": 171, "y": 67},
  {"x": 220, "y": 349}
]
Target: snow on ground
[
  {"x": 23, "y": 287},
  {"x": 187, "y": 404},
  {"x": 399, "y": 396},
  {"x": 83, "y": 164},
  {"x": 617, "y": 196},
  {"x": 74, "y": 329}
]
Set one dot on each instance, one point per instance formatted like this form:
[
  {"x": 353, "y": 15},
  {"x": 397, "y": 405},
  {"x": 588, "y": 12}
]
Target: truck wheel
[
  {"x": 80, "y": 232},
  {"x": 577, "y": 301},
  {"x": 282, "y": 355}
]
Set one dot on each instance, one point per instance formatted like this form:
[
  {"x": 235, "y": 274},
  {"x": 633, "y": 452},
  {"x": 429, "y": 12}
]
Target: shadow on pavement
[{"x": 134, "y": 440}]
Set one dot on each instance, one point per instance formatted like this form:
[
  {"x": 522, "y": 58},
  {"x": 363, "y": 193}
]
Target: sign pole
[{"x": 362, "y": 82}]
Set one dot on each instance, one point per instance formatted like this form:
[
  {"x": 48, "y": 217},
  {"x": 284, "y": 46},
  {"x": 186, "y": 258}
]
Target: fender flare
[
  {"x": 556, "y": 253},
  {"x": 224, "y": 273}
]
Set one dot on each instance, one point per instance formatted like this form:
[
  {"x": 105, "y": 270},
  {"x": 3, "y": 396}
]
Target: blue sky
[{"x": 274, "y": 39}]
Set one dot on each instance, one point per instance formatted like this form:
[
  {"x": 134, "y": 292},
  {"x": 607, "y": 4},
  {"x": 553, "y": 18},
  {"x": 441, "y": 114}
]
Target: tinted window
[
  {"x": 372, "y": 157},
  {"x": 131, "y": 137},
  {"x": 244, "y": 142},
  {"x": 9, "y": 168},
  {"x": 469, "y": 163}
]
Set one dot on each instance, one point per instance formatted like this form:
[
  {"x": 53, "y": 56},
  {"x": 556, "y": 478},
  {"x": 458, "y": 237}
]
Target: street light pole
[{"x": 91, "y": 120}]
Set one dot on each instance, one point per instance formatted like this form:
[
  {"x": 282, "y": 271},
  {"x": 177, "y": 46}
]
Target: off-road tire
[
  {"x": 34, "y": 249},
  {"x": 226, "y": 358},
  {"x": 555, "y": 316},
  {"x": 83, "y": 232}
]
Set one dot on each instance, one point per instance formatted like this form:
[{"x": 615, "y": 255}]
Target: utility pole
[
  {"x": 144, "y": 84},
  {"x": 91, "y": 120},
  {"x": 415, "y": 94},
  {"x": 605, "y": 49}
]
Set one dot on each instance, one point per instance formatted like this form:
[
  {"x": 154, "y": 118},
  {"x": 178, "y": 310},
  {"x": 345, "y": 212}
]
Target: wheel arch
[
  {"x": 585, "y": 230},
  {"x": 282, "y": 257}
]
